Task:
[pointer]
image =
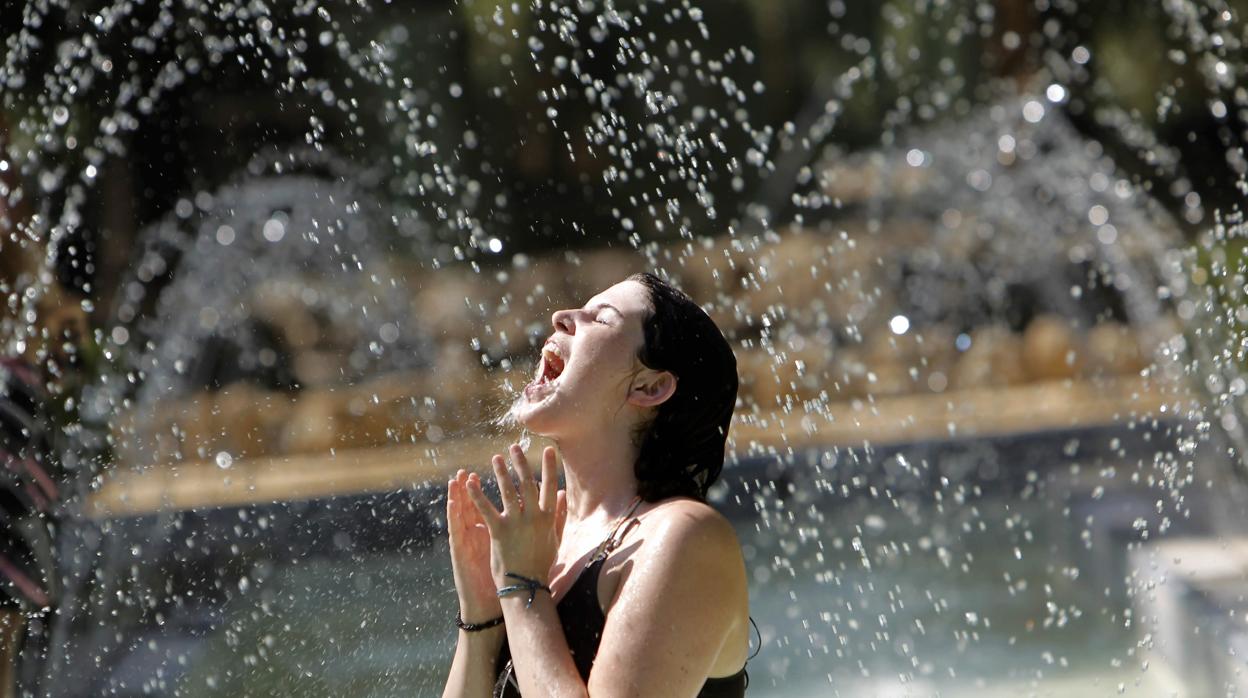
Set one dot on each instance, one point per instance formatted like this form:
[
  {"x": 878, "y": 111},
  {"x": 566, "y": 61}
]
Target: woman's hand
[
  {"x": 470, "y": 552},
  {"x": 525, "y": 535}
]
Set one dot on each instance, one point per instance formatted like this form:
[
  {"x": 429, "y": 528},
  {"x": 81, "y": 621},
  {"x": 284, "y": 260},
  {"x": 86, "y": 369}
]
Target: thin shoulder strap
[{"x": 616, "y": 536}]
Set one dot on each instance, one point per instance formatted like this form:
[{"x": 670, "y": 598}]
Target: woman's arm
[
  {"x": 682, "y": 600},
  {"x": 472, "y": 670},
  {"x": 543, "y": 664},
  {"x": 682, "y": 596},
  {"x": 524, "y": 538}
]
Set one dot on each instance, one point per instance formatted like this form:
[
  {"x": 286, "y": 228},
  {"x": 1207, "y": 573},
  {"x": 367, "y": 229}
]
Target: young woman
[{"x": 626, "y": 583}]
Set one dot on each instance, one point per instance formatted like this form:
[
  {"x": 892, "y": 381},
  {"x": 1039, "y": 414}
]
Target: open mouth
[
  {"x": 548, "y": 370},
  {"x": 552, "y": 365}
]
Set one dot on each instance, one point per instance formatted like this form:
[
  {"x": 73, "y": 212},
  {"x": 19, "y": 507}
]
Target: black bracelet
[
  {"x": 476, "y": 627},
  {"x": 526, "y": 584}
]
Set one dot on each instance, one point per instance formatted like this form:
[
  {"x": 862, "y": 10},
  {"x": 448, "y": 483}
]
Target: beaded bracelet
[
  {"x": 476, "y": 627},
  {"x": 526, "y": 584}
]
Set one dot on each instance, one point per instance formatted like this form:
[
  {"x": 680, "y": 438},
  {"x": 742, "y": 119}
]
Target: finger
[
  {"x": 550, "y": 479},
  {"x": 456, "y": 489},
  {"x": 468, "y": 513},
  {"x": 528, "y": 486},
  {"x": 452, "y": 506},
  {"x": 483, "y": 505},
  {"x": 506, "y": 488},
  {"x": 457, "y": 508}
]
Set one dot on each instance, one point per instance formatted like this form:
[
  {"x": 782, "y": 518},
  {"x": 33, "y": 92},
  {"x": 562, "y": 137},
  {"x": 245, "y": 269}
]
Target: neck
[{"x": 598, "y": 470}]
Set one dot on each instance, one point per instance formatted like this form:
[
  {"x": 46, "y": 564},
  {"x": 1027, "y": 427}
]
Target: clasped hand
[{"x": 522, "y": 538}]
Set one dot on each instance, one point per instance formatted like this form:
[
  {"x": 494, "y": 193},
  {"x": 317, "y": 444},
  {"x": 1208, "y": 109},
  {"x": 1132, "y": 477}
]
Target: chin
[{"x": 537, "y": 417}]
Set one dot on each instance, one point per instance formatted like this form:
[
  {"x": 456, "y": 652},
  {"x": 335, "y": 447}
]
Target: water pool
[{"x": 983, "y": 586}]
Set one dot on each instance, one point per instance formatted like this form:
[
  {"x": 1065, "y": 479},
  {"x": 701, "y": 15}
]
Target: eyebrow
[{"x": 600, "y": 306}]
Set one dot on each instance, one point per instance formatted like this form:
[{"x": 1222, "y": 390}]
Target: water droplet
[
  {"x": 274, "y": 230},
  {"x": 389, "y": 332},
  {"x": 1033, "y": 111}
]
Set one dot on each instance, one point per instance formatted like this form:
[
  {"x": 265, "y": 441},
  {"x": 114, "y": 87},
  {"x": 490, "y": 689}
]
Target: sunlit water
[
  {"x": 993, "y": 591},
  {"x": 1009, "y": 582}
]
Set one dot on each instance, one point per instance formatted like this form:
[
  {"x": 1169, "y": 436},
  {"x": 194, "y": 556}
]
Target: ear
[{"x": 651, "y": 388}]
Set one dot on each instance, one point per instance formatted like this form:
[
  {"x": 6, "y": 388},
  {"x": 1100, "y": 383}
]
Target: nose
[{"x": 564, "y": 321}]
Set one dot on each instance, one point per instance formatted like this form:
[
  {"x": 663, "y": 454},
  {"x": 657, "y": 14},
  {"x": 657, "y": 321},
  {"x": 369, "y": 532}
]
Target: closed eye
[{"x": 601, "y": 311}]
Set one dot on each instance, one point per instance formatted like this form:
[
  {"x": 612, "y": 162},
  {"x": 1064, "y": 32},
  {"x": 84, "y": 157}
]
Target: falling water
[{"x": 990, "y": 390}]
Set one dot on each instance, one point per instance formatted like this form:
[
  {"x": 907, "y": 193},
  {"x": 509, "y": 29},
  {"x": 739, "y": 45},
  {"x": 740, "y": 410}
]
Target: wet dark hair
[{"x": 682, "y": 447}]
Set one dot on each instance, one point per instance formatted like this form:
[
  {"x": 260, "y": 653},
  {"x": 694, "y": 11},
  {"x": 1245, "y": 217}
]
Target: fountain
[{"x": 991, "y": 396}]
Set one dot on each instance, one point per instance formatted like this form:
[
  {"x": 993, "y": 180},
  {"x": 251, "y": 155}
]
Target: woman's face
[{"x": 588, "y": 364}]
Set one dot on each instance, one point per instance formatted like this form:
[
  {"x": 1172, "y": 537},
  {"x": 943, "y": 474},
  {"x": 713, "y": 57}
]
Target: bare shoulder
[
  {"x": 687, "y": 575},
  {"x": 681, "y": 611},
  {"x": 683, "y": 547},
  {"x": 685, "y": 514},
  {"x": 690, "y": 529}
]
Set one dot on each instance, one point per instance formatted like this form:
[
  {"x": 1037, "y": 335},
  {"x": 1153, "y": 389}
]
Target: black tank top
[{"x": 583, "y": 620}]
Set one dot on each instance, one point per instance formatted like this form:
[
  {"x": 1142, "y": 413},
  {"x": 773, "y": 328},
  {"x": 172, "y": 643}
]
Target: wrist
[
  {"x": 484, "y": 607},
  {"x": 513, "y": 574},
  {"x": 482, "y": 625},
  {"x": 524, "y": 587}
]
